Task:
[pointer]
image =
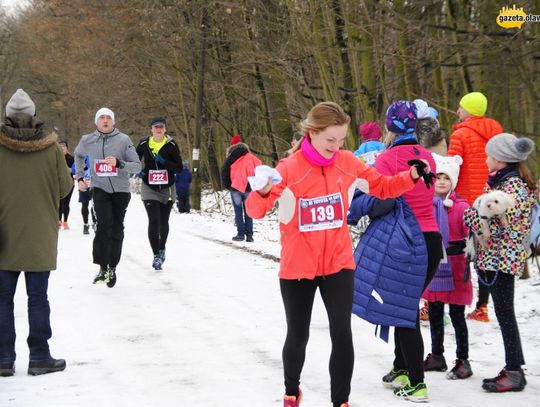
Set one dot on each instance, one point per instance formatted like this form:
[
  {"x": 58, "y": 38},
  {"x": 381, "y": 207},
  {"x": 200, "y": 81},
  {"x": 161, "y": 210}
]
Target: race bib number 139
[{"x": 321, "y": 213}]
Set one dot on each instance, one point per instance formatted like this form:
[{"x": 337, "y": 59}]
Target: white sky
[{"x": 11, "y": 5}]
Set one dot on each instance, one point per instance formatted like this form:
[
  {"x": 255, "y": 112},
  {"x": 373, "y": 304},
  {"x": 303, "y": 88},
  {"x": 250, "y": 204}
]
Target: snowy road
[{"x": 208, "y": 331}]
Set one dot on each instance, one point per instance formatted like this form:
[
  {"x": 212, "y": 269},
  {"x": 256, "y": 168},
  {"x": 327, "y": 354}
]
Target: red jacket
[
  {"x": 469, "y": 141},
  {"x": 316, "y": 200},
  {"x": 241, "y": 169}
]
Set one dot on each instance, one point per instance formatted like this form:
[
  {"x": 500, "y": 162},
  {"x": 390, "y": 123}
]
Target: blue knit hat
[{"x": 401, "y": 117}]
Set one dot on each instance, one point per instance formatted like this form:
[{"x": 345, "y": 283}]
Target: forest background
[{"x": 255, "y": 67}]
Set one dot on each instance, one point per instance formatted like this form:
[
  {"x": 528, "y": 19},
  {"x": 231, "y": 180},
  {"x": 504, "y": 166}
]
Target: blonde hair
[{"x": 321, "y": 116}]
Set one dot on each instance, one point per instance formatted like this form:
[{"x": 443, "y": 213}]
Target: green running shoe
[
  {"x": 395, "y": 379},
  {"x": 416, "y": 394}
]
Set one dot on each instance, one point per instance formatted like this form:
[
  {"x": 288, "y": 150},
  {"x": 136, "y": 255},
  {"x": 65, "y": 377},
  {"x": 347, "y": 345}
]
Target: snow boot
[
  {"x": 507, "y": 380},
  {"x": 461, "y": 370},
  {"x": 7, "y": 369},
  {"x": 51, "y": 365},
  {"x": 435, "y": 363}
]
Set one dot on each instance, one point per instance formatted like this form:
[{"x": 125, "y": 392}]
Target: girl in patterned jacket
[{"x": 504, "y": 257}]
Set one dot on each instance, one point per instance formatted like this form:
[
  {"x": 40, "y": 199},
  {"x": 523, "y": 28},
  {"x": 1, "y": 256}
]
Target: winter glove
[
  {"x": 263, "y": 173},
  {"x": 141, "y": 174},
  {"x": 381, "y": 207},
  {"x": 159, "y": 159},
  {"x": 420, "y": 168}
]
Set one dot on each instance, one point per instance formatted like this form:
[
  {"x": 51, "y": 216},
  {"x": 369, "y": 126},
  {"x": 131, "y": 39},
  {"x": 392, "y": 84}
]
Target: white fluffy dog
[{"x": 491, "y": 205}]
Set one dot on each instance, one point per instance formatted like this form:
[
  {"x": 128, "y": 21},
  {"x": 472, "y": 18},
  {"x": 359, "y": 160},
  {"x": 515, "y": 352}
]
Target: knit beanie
[
  {"x": 235, "y": 140},
  {"x": 158, "y": 120},
  {"x": 474, "y": 103},
  {"x": 401, "y": 117},
  {"x": 64, "y": 142},
  {"x": 449, "y": 166},
  {"x": 422, "y": 108},
  {"x": 508, "y": 148},
  {"x": 104, "y": 111},
  {"x": 370, "y": 131},
  {"x": 20, "y": 102}
]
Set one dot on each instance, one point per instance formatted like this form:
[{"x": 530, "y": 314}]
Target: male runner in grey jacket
[{"x": 112, "y": 158}]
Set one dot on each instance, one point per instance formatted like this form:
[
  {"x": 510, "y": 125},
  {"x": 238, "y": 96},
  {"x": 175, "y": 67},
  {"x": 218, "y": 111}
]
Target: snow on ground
[{"x": 208, "y": 329}]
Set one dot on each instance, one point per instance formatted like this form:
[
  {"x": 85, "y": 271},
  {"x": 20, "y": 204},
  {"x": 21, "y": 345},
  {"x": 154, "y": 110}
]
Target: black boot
[
  {"x": 37, "y": 367},
  {"x": 86, "y": 230},
  {"x": 238, "y": 238},
  {"x": 507, "y": 380},
  {"x": 435, "y": 363},
  {"x": 249, "y": 237},
  {"x": 7, "y": 369}
]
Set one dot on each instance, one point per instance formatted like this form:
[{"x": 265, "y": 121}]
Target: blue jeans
[
  {"x": 39, "y": 311},
  {"x": 244, "y": 224}
]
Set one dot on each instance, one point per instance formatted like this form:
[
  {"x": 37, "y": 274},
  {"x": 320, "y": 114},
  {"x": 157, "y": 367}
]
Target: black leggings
[
  {"x": 483, "y": 294},
  {"x": 85, "y": 212},
  {"x": 502, "y": 293},
  {"x": 337, "y": 294},
  {"x": 158, "y": 223},
  {"x": 63, "y": 209},
  {"x": 110, "y": 212},
  {"x": 409, "y": 346},
  {"x": 436, "y": 327}
]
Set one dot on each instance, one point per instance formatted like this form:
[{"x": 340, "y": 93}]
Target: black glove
[
  {"x": 381, "y": 207},
  {"x": 421, "y": 169}
]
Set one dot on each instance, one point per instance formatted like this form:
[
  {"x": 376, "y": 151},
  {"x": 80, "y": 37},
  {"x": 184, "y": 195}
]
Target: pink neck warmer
[{"x": 313, "y": 156}]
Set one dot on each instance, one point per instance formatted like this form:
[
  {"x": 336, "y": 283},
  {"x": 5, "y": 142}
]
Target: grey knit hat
[
  {"x": 508, "y": 148},
  {"x": 20, "y": 102}
]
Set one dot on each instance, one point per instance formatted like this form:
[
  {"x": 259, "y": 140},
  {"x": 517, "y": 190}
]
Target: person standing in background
[
  {"x": 29, "y": 229},
  {"x": 239, "y": 164},
  {"x": 469, "y": 140}
]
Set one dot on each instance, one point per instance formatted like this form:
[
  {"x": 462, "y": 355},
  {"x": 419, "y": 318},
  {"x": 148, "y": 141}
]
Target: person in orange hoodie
[
  {"x": 317, "y": 185},
  {"x": 469, "y": 141},
  {"x": 239, "y": 164}
]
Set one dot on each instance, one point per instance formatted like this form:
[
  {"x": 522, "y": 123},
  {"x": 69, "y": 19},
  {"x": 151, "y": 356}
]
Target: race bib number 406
[
  {"x": 102, "y": 169},
  {"x": 321, "y": 213}
]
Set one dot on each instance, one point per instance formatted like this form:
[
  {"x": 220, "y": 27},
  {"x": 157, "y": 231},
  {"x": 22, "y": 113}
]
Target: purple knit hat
[
  {"x": 370, "y": 131},
  {"x": 401, "y": 117}
]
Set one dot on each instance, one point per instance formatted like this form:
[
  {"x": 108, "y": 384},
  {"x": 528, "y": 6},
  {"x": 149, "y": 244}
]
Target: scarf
[
  {"x": 313, "y": 156},
  {"x": 443, "y": 279}
]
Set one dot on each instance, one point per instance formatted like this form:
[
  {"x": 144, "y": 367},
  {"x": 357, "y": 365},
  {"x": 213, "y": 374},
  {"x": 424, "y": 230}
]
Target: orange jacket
[
  {"x": 469, "y": 141},
  {"x": 311, "y": 253}
]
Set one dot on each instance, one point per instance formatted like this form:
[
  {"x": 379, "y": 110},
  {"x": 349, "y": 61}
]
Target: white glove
[{"x": 263, "y": 173}]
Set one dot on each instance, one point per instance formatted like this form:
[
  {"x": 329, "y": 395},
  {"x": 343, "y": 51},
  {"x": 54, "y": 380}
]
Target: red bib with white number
[
  {"x": 158, "y": 177},
  {"x": 321, "y": 213},
  {"x": 102, "y": 169}
]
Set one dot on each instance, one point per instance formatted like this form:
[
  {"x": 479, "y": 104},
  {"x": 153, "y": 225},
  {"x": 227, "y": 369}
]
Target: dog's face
[{"x": 494, "y": 203}]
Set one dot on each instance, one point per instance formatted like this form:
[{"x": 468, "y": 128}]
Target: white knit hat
[
  {"x": 104, "y": 111},
  {"x": 20, "y": 102},
  {"x": 449, "y": 166}
]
